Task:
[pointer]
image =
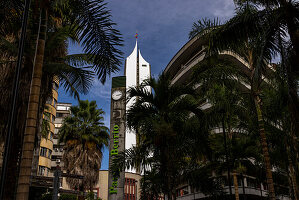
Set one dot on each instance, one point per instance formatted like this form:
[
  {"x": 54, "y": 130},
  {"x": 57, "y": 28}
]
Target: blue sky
[{"x": 162, "y": 26}]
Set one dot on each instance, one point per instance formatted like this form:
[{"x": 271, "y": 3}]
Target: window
[
  {"x": 53, "y": 119},
  {"x": 144, "y": 65},
  {"x": 55, "y": 86},
  {"x": 252, "y": 183},
  {"x": 43, "y": 151},
  {"x": 41, "y": 170},
  {"x": 183, "y": 191},
  {"x": 51, "y": 136},
  {"x": 55, "y": 102},
  {"x": 57, "y": 125},
  {"x": 49, "y": 100},
  {"x": 49, "y": 153},
  {"x": 56, "y": 130},
  {"x": 59, "y": 114},
  {"x": 130, "y": 189},
  {"x": 62, "y": 108},
  {"x": 47, "y": 116}
]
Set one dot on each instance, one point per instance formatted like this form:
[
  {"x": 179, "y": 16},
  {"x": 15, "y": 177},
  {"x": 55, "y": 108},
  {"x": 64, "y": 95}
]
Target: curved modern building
[
  {"x": 46, "y": 142},
  {"x": 180, "y": 69}
]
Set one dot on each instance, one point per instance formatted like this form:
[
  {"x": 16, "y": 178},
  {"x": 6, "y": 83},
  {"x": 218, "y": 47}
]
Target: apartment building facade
[{"x": 180, "y": 68}]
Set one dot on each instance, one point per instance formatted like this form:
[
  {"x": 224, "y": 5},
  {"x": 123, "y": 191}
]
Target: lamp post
[{"x": 12, "y": 117}]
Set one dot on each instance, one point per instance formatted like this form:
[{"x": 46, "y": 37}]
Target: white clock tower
[{"x": 136, "y": 71}]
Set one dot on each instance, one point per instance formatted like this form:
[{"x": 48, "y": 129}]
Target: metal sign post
[{"x": 56, "y": 181}]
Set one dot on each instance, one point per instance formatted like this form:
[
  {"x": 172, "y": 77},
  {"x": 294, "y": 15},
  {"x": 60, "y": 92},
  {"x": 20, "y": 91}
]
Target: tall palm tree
[
  {"x": 84, "y": 135},
  {"x": 159, "y": 117},
  {"x": 274, "y": 20},
  {"x": 91, "y": 22},
  {"x": 221, "y": 86},
  {"x": 279, "y": 17},
  {"x": 278, "y": 120},
  {"x": 256, "y": 54},
  {"x": 67, "y": 69},
  {"x": 276, "y": 17}
]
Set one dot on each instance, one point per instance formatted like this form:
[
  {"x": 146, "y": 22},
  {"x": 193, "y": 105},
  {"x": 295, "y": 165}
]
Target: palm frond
[
  {"x": 91, "y": 21},
  {"x": 204, "y": 25},
  {"x": 71, "y": 77},
  {"x": 10, "y": 15}
]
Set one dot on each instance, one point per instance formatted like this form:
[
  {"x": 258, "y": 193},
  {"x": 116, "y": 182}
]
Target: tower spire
[{"x": 136, "y": 35}]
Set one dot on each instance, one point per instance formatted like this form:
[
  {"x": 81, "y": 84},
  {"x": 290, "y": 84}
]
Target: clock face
[{"x": 117, "y": 95}]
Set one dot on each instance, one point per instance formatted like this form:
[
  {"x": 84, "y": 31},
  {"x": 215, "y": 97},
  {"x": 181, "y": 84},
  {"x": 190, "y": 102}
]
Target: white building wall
[{"x": 144, "y": 69}]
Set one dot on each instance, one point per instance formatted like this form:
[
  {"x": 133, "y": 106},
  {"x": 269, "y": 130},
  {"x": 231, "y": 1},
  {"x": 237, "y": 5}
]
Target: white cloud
[
  {"x": 99, "y": 90},
  {"x": 223, "y": 9}
]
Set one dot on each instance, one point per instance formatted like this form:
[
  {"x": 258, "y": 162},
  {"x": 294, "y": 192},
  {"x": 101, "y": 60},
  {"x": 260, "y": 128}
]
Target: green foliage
[
  {"x": 90, "y": 196},
  {"x": 47, "y": 196},
  {"x": 85, "y": 125},
  {"x": 168, "y": 137},
  {"x": 202, "y": 26},
  {"x": 67, "y": 197},
  {"x": 91, "y": 23},
  {"x": 45, "y": 127},
  {"x": 85, "y": 137}
]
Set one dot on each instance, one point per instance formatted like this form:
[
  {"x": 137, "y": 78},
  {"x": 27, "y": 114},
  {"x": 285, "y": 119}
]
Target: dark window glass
[
  {"x": 41, "y": 170},
  {"x": 59, "y": 114},
  {"x": 43, "y": 151},
  {"x": 50, "y": 153},
  {"x": 55, "y": 102}
]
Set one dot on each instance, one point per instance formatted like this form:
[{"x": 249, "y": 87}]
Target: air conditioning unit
[{"x": 57, "y": 160}]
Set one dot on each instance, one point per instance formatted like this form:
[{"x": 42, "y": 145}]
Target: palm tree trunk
[
  {"x": 265, "y": 150},
  {"x": 32, "y": 114},
  {"x": 292, "y": 175},
  {"x": 236, "y": 186},
  {"x": 227, "y": 158}
]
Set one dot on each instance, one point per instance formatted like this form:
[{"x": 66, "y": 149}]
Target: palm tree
[
  {"x": 277, "y": 18},
  {"x": 84, "y": 135},
  {"x": 278, "y": 120},
  {"x": 90, "y": 21},
  {"x": 274, "y": 20},
  {"x": 58, "y": 67},
  {"x": 221, "y": 86},
  {"x": 159, "y": 117},
  {"x": 256, "y": 54}
]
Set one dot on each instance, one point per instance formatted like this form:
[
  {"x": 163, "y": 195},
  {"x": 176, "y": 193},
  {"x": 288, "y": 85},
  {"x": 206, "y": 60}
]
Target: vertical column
[{"x": 117, "y": 136}]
